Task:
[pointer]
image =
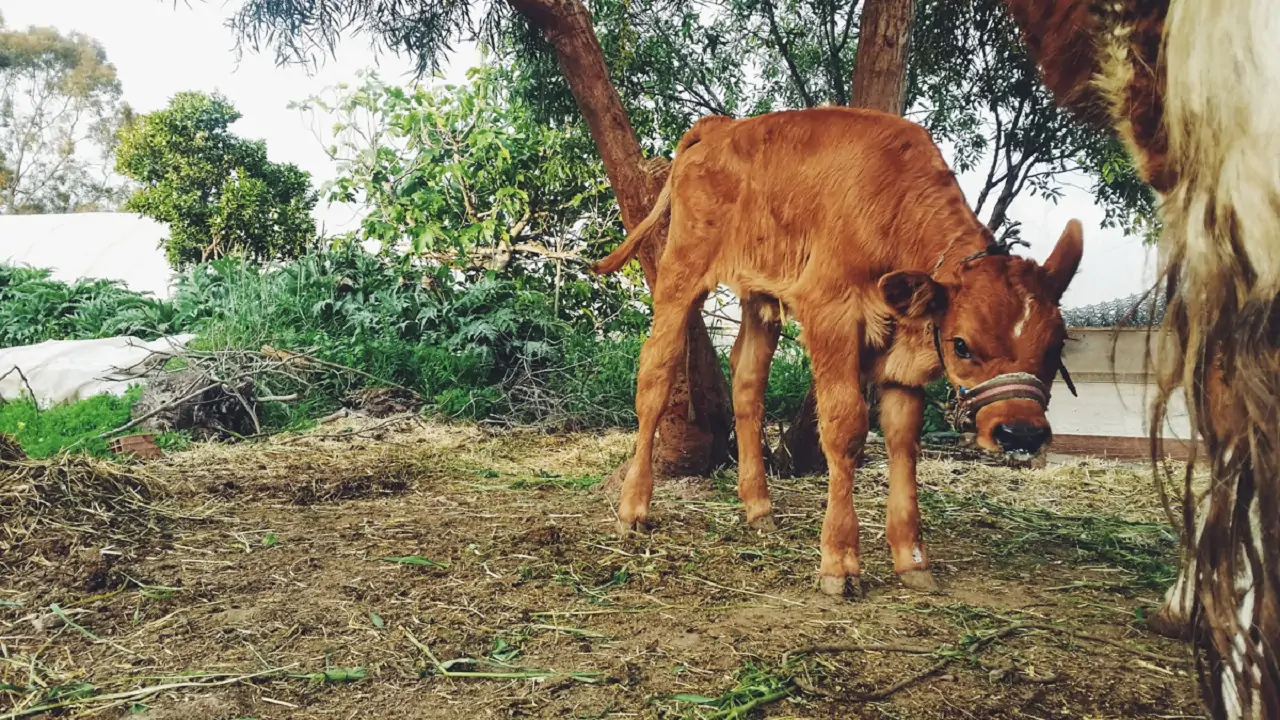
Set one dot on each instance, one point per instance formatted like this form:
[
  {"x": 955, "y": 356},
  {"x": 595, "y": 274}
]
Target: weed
[
  {"x": 544, "y": 479},
  {"x": 1147, "y": 550},
  {"x": 43, "y": 433},
  {"x": 754, "y": 687}
]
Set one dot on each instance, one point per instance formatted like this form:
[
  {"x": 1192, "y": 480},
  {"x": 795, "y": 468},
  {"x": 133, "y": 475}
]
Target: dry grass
[
  {"x": 51, "y": 508},
  {"x": 393, "y": 570}
]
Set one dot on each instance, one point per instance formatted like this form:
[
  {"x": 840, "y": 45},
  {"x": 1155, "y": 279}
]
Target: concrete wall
[{"x": 1114, "y": 396}]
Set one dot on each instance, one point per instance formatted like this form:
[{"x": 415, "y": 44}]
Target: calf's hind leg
[
  {"x": 676, "y": 293},
  {"x": 749, "y": 362}
]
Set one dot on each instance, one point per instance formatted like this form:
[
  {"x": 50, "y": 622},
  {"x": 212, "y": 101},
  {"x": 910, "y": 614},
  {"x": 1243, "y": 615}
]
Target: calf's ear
[
  {"x": 913, "y": 294},
  {"x": 1064, "y": 261}
]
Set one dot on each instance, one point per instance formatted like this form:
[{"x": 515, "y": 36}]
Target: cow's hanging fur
[{"x": 1193, "y": 88}]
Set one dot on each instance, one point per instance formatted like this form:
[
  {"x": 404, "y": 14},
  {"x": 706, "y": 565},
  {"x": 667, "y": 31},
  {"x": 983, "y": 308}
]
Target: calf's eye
[{"x": 961, "y": 348}]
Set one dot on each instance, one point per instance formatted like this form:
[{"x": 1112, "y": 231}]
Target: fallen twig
[
  {"x": 402, "y": 417},
  {"x": 167, "y": 406},
  {"x": 819, "y": 649},
  {"x": 25, "y": 381},
  {"x": 139, "y": 693},
  {"x": 1113, "y": 643},
  {"x": 975, "y": 647},
  {"x": 746, "y": 592}
]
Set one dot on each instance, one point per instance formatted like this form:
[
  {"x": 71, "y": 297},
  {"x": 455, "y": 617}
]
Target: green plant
[
  {"x": 34, "y": 308},
  {"x": 43, "y": 433}
]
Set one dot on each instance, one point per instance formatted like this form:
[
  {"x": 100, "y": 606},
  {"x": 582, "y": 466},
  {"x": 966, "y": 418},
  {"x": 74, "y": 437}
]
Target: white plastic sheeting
[
  {"x": 60, "y": 371},
  {"x": 110, "y": 246}
]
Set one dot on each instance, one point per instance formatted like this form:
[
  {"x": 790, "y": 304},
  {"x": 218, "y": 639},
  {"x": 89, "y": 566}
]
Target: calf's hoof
[
  {"x": 763, "y": 524},
  {"x": 921, "y": 580},
  {"x": 628, "y": 528},
  {"x": 849, "y": 586}
]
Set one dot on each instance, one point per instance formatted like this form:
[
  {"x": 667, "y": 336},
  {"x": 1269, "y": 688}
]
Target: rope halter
[{"x": 1009, "y": 386}]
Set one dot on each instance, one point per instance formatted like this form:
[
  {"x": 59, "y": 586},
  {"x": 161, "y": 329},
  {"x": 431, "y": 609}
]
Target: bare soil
[{"x": 456, "y": 572}]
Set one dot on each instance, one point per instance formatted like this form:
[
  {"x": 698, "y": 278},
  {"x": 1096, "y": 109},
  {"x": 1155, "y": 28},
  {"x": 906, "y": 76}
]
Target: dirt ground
[{"x": 457, "y": 572}]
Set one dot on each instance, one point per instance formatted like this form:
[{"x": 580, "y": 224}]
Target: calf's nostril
[
  {"x": 1004, "y": 435},
  {"x": 1020, "y": 437}
]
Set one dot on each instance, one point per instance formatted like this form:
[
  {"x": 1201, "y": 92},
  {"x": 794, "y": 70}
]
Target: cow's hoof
[
  {"x": 1163, "y": 622},
  {"x": 849, "y": 586},
  {"x": 921, "y": 580},
  {"x": 763, "y": 524}
]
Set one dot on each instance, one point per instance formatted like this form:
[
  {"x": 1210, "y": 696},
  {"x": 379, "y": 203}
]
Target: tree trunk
[
  {"x": 880, "y": 83},
  {"x": 880, "y": 67},
  {"x": 693, "y": 436}
]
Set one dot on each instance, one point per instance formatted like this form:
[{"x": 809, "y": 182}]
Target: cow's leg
[
  {"x": 842, "y": 429},
  {"x": 1173, "y": 618},
  {"x": 752, "y": 352},
  {"x": 901, "y": 420},
  {"x": 677, "y": 291}
]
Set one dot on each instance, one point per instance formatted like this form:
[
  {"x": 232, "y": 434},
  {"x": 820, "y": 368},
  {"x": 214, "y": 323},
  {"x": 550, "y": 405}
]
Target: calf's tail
[{"x": 629, "y": 247}]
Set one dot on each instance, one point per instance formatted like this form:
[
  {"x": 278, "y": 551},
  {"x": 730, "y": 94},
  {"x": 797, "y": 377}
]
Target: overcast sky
[{"x": 160, "y": 49}]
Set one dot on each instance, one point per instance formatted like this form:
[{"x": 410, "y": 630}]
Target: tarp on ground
[
  {"x": 60, "y": 371},
  {"x": 109, "y": 246}
]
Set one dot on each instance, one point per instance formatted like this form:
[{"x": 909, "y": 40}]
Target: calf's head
[{"x": 998, "y": 334}]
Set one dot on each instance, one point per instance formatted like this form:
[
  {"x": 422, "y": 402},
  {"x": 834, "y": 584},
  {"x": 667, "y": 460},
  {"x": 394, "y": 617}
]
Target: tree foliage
[
  {"x": 218, "y": 192},
  {"x": 970, "y": 83},
  {"x": 974, "y": 87},
  {"x": 466, "y": 177},
  {"x": 60, "y": 106}
]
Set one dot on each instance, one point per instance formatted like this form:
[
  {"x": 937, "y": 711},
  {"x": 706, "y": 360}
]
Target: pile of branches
[{"x": 219, "y": 394}]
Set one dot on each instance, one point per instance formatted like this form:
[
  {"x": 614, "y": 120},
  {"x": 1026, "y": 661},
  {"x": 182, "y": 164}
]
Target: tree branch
[{"x": 796, "y": 78}]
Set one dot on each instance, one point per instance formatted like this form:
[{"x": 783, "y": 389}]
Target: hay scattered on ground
[
  {"x": 10, "y": 450},
  {"x": 428, "y": 571},
  {"x": 51, "y": 508}
]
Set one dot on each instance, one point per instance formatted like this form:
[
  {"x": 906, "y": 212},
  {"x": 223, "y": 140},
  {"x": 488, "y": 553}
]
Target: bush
[
  {"x": 475, "y": 346},
  {"x": 34, "y": 309}
]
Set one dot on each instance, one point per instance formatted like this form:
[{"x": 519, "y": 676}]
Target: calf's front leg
[{"x": 901, "y": 420}]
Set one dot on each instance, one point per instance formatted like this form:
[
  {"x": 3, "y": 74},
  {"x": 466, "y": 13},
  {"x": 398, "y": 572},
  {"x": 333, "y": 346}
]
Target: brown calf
[{"x": 854, "y": 223}]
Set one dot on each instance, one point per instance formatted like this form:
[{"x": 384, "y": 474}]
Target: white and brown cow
[{"x": 1193, "y": 88}]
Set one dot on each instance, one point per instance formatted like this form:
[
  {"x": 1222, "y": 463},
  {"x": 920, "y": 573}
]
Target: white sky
[{"x": 160, "y": 49}]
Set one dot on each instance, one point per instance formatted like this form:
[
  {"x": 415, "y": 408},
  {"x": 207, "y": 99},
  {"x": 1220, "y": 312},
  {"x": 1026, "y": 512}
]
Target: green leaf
[
  {"x": 695, "y": 699},
  {"x": 377, "y": 620}
]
